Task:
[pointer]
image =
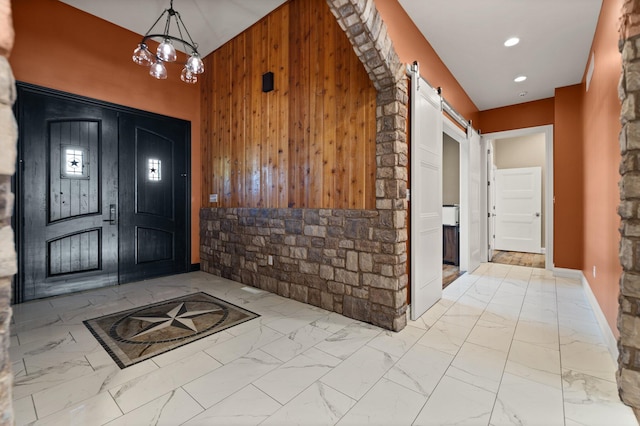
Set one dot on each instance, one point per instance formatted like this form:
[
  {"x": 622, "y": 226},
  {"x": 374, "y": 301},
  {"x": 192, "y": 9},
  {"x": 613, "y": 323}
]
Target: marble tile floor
[{"x": 505, "y": 345}]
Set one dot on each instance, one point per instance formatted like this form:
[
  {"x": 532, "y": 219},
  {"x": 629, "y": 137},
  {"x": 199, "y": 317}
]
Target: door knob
[{"x": 537, "y": 214}]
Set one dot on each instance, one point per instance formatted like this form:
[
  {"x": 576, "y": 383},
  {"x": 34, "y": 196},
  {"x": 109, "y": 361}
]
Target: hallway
[{"x": 505, "y": 345}]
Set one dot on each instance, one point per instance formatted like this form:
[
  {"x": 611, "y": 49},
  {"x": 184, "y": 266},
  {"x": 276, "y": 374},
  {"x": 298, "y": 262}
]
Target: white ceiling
[
  {"x": 211, "y": 23},
  {"x": 468, "y": 35}
]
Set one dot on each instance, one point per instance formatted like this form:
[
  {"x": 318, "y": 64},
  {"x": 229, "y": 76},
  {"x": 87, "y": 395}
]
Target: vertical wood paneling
[
  {"x": 308, "y": 143},
  {"x": 346, "y": 143},
  {"x": 225, "y": 121},
  {"x": 237, "y": 122},
  {"x": 253, "y": 148},
  {"x": 281, "y": 69},
  {"x": 299, "y": 129},
  {"x": 316, "y": 150},
  {"x": 270, "y": 41},
  {"x": 330, "y": 162}
]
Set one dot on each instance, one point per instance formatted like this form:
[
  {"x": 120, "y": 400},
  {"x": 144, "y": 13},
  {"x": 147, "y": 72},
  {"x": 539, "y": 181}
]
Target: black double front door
[{"x": 102, "y": 194}]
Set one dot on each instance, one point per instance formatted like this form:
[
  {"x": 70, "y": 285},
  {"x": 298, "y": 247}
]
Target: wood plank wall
[{"x": 310, "y": 143}]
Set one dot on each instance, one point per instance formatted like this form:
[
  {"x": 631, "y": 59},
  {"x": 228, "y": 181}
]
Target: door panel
[
  {"x": 491, "y": 194},
  {"x": 101, "y": 194},
  {"x": 426, "y": 197},
  {"x": 68, "y": 154},
  {"x": 156, "y": 152},
  {"x": 518, "y": 209},
  {"x": 475, "y": 204}
]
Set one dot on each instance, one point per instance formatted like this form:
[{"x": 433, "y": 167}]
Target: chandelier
[{"x": 166, "y": 52}]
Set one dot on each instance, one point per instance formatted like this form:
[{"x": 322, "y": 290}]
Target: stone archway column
[
  {"x": 364, "y": 27},
  {"x": 628, "y": 375},
  {"x": 8, "y": 139}
]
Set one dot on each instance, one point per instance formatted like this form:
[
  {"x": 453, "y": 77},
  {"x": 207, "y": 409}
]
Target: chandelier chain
[{"x": 166, "y": 52}]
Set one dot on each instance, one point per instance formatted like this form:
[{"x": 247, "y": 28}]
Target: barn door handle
[{"x": 112, "y": 215}]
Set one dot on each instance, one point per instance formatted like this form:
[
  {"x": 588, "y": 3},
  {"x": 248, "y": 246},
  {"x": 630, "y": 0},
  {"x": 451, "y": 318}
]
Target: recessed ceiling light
[
  {"x": 512, "y": 42},
  {"x": 520, "y": 78}
]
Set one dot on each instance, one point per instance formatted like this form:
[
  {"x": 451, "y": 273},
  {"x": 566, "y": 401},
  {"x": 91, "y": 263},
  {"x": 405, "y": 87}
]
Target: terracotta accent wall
[
  {"x": 564, "y": 111},
  {"x": 309, "y": 143},
  {"x": 63, "y": 48},
  {"x": 568, "y": 180},
  {"x": 601, "y": 165},
  {"x": 520, "y": 116},
  {"x": 411, "y": 46}
]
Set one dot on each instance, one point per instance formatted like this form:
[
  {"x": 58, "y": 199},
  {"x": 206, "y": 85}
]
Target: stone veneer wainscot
[{"x": 344, "y": 261}]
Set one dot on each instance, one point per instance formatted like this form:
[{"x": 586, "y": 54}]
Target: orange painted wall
[
  {"x": 568, "y": 178},
  {"x": 564, "y": 112},
  {"x": 601, "y": 162},
  {"x": 60, "y": 47},
  {"x": 520, "y": 116},
  {"x": 410, "y": 45}
]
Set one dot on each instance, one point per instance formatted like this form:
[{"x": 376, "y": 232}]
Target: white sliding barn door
[
  {"x": 476, "y": 209},
  {"x": 426, "y": 196},
  {"x": 472, "y": 211}
]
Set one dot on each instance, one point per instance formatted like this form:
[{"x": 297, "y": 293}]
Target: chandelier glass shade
[{"x": 166, "y": 51}]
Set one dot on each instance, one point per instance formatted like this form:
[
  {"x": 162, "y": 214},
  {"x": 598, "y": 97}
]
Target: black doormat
[{"x": 137, "y": 334}]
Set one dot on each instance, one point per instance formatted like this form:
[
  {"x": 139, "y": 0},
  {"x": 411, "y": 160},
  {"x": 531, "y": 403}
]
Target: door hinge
[{"x": 488, "y": 183}]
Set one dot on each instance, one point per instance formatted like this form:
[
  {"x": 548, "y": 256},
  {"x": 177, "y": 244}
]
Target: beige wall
[
  {"x": 523, "y": 151},
  {"x": 450, "y": 170}
]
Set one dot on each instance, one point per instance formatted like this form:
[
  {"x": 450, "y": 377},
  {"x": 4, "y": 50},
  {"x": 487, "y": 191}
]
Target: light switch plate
[{"x": 213, "y": 198}]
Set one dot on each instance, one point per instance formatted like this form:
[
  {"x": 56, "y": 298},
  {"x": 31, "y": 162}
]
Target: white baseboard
[
  {"x": 609, "y": 338},
  {"x": 607, "y": 334},
  {"x": 568, "y": 273}
]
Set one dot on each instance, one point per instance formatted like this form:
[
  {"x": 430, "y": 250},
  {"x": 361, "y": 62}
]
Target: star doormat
[{"x": 137, "y": 334}]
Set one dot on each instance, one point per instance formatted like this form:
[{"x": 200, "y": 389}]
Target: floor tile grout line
[
  {"x": 474, "y": 326},
  {"x": 33, "y": 404},
  {"x": 560, "y": 357},
  {"x": 197, "y": 402},
  {"x": 458, "y": 351},
  {"x": 506, "y": 360}
]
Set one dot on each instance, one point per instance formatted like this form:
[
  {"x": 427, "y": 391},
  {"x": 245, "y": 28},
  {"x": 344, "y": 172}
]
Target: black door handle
[{"x": 113, "y": 219}]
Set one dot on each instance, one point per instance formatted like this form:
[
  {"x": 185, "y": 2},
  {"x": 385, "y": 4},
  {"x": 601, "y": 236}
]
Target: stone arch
[
  {"x": 366, "y": 31},
  {"x": 628, "y": 375},
  {"x": 372, "y": 44}
]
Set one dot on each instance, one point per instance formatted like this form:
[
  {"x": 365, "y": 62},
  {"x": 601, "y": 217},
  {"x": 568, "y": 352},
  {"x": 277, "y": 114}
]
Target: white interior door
[
  {"x": 518, "y": 210},
  {"x": 426, "y": 196}
]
